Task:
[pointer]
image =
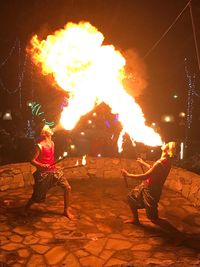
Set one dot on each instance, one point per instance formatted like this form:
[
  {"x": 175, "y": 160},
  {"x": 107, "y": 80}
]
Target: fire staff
[{"x": 47, "y": 174}]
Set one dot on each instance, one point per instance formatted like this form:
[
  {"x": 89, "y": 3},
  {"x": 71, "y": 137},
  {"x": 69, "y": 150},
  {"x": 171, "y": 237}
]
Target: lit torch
[
  {"x": 60, "y": 158},
  {"x": 83, "y": 163}
]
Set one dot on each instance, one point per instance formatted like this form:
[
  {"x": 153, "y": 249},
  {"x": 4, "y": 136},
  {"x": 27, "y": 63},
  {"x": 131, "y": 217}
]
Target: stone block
[
  {"x": 196, "y": 202},
  {"x": 100, "y": 172},
  {"x": 4, "y": 187},
  {"x": 116, "y": 161},
  {"x": 186, "y": 191},
  {"x": 185, "y": 180},
  {"x": 91, "y": 172},
  {"x": 28, "y": 178},
  {"x": 100, "y": 163},
  {"x": 25, "y": 167},
  {"x": 192, "y": 197},
  {"x": 111, "y": 174},
  {"x": 18, "y": 178},
  {"x": 7, "y": 172},
  {"x": 174, "y": 184},
  {"x": 16, "y": 171}
]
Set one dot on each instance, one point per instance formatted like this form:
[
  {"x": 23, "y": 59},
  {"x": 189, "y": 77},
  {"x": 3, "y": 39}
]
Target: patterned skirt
[{"x": 45, "y": 181}]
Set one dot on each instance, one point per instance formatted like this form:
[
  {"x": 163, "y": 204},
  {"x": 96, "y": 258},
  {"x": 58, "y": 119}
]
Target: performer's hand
[
  {"x": 59, "y": 167},
  {"x": 141, "y": 161},
  {"x": 44, "y": 166},
  {"x": 124, "y": 173}
]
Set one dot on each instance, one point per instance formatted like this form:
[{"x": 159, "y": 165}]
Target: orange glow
[
  {"x": 84, "y": 160},
  {"x": 91, "y": 73}
]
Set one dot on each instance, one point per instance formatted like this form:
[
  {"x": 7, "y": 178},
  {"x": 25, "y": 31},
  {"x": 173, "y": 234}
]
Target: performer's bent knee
[{"x": 67, "y": 188}]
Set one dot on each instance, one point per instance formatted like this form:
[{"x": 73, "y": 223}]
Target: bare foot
[
  {"x": 68, "y": 214},
  {"x": 132, "y": 221}
]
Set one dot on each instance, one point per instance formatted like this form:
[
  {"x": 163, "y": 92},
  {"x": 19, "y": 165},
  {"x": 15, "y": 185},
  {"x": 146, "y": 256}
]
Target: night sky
[{"x": 133, "y": 27}]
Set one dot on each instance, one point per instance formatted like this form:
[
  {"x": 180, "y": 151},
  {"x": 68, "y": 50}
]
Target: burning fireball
[{"x": 91, "y": 73}]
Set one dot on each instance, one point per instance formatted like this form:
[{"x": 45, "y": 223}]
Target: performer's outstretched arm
[
  {"x": 142, "y": 162},
  {"x": 141, "y": 176}
]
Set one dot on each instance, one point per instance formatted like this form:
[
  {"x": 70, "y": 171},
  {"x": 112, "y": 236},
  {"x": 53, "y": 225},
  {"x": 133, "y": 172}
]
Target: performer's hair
[
  {"x": 171, "y": 148},
  {"x": 39, "y": 128}
]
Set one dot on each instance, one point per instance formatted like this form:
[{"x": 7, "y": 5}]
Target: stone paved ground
[{"x": 97, "y": 237}]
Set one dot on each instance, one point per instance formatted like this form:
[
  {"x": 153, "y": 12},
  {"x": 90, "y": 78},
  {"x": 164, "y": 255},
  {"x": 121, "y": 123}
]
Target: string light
[
  {"x": 17, "y": 42},
  {"x": 7, "y": 116},
  {"x": 190, "y": 101},
  {"x": 182, "y": 151},
  {"x": 175, "y": 96},
  {"x": 190, "y": 98},
  {"x": 16, "y": 46}
]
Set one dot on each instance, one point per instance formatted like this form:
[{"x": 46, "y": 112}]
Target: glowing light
[
  {"x": 65, "y": 154},
  {"x": 182, "y": 114},
  {"x": 89, "y": 121},
  {"x": 120, "y": 141},
  {"x": 94, "y": 114},
  {"x": 182, "y": 151},
  {"x": 84, "y": 160},
  {"x": 7, "y": 116},
  {"x": 152, "y": 150},
  {"x": 99, "y": 155},
  {"x": 167, "y": 118},
  {"x": 153, "y": 124},
  {"x": 82, "y": 133},
  {"x": 175, "y": 96},
  {"x": 91, "y": 73},
  {"x": 29, "y": 103},
  {"x": 72, "y": 147}
]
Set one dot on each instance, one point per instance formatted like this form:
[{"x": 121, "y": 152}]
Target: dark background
[{"x": 133, "y": 27}]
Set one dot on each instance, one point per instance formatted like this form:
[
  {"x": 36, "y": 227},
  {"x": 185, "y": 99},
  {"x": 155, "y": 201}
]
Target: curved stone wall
[{"x": 20, "y": 175}]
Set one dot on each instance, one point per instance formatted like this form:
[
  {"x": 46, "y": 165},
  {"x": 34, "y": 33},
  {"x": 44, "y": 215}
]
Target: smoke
[{"x": 136, "y": 77}]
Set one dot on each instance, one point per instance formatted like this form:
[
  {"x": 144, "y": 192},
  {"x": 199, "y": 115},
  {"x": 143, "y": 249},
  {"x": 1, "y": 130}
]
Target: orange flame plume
[{"x": 91, "y": 73}]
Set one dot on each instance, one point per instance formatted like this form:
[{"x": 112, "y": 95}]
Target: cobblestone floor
[{"x": 97, "y": 237}]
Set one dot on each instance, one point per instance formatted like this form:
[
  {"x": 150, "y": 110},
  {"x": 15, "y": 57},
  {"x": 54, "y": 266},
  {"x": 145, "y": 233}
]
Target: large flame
[{"x": 92, "y": 73}]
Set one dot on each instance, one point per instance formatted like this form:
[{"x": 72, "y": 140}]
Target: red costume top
[{"x": 46, "y": 155}]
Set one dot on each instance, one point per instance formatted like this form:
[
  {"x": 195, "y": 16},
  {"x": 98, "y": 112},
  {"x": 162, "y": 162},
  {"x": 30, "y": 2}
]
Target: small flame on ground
[
  {"x": 65, "y": 154},
  {"x": 84, "y": 160}
]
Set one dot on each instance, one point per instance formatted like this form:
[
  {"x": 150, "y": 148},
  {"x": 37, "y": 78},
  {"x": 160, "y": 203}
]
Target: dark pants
[{"x": 142, "y": 198}]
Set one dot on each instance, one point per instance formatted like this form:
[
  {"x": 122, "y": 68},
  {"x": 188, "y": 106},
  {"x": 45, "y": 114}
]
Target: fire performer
[
  {"x": 47, "y": 174},
  {"x": 147, "y": 194}
]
